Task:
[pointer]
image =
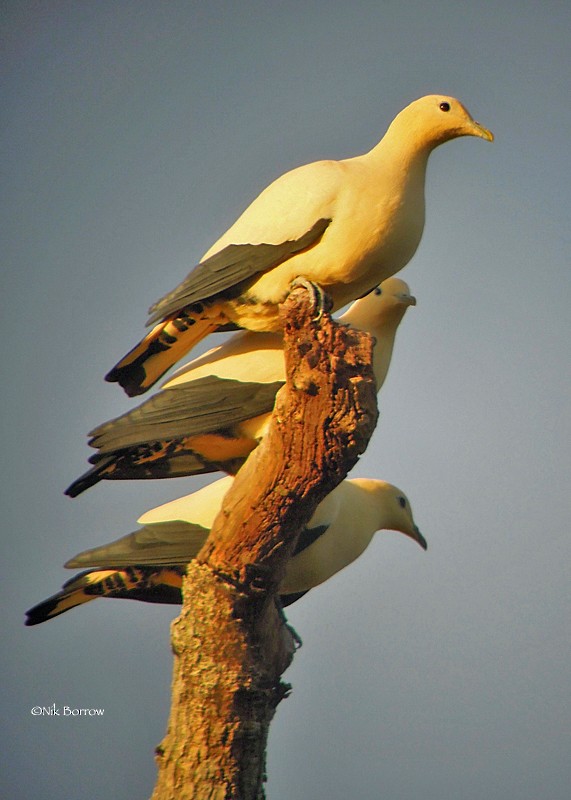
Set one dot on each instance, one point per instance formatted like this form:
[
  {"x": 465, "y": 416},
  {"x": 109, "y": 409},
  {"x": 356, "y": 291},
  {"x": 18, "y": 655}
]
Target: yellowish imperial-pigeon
[
  {"x": 148, "y": 564},
  {"x": 345, "y": 226},
  {"x": 214, "y": 411}
]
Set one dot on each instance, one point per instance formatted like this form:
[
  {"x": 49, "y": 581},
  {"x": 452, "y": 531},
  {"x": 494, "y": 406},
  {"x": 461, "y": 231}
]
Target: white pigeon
[
  {"x": 343, "y": 225},
  {"x": 149, "y": 564},
  {"x": 214, "y": 411}
]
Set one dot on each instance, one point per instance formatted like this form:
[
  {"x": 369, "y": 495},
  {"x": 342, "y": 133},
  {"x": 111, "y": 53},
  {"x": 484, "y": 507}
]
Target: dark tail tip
[
  {"x": 86, "y": 481},
  {"x": 40, "y": 613},
  {"x": 129, "y": 378}
]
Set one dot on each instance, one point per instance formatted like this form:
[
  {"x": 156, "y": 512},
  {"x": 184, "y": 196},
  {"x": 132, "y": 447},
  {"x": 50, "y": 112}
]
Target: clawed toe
[{"x": 320, "y": 301}]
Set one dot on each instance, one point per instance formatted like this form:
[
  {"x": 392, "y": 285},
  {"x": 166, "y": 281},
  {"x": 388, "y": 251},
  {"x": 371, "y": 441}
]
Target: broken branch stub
[{"x": 230, "y": 642}]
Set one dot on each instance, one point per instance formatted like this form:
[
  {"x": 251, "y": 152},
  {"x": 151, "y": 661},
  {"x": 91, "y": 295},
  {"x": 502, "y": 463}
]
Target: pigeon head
[
  {"x": 384, "y": 305},
  {"x": 393, "y": 509},
  {"x": 394, "y": 292},
  {"x": 435, "y": 119}
]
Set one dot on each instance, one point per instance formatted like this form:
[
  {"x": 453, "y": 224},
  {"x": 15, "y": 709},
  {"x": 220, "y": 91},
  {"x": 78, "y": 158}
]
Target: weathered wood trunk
[{"x": 230, "y": 642}]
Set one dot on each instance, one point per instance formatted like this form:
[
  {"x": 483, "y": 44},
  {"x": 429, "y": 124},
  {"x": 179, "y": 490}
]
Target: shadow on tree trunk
[{"x": 230, "y": 642}]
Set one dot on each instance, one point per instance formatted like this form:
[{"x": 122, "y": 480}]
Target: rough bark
[{"x": 231, "y": 643}]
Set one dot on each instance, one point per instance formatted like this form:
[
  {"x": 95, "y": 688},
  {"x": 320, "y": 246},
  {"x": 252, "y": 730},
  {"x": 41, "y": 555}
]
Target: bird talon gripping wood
[
  {"x": 344, "y": 225},
  {"x": 320, "y": 301}
]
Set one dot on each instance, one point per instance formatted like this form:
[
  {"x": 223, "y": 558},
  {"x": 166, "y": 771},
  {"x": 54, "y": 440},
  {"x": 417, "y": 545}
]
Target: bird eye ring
[{"x": 445, "y": 106}]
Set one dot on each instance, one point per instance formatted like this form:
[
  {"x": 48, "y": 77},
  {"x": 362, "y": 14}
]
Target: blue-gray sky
[{"x": 133, "y": 133}]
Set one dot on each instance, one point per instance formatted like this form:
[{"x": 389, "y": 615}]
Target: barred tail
[
  {"x": 168, "y": 341},
  {"x": 148, "y": 584},
  {"x": 171, "y": 458},
  {"x": 101, "y": 471},
  {"x": 74, "y": 593}
]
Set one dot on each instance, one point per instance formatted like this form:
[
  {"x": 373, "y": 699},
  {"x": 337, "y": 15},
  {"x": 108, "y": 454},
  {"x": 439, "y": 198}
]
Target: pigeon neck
[
  {"x": 382, "y": 516},
  {"x": 374, "y": 510},
  {"x": 404, "y": 146},
  {"x": 383, "y": 351},
  {"x": 383, "y": 327}
]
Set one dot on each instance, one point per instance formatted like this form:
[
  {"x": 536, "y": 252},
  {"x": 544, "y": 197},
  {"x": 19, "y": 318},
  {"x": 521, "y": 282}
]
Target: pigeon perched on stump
[
  {"x": 148, "y": 564},
  {"x": 214, "y": 411},
  {"x": 343, "y": 225}
]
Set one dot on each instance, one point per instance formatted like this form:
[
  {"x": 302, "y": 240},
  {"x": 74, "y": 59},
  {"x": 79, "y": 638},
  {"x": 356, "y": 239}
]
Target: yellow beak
[{"x": 482, "y": 132}]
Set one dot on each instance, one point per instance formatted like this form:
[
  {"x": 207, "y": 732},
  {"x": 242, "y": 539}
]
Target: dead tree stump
[{"x": 230, "y": 642}]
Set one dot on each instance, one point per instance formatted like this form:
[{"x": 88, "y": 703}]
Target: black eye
[
  {"x": 402, "y": 502},
  {"x": 377, "y": 291},
  {"x": 445, "y": 106}
]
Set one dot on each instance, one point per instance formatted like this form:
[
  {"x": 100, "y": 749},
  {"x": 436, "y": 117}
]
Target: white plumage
[
  {"x": 148, "y": 564},
  {"x": 215, "y": 410},
  {"x": 344, "y": 225},
  {"x": 349, "y": 517}
]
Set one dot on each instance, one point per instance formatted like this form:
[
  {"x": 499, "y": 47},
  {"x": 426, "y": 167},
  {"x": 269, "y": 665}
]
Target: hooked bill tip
[
  {"x": 420, "y": 539},
  {"x": 484, "y": 133}
]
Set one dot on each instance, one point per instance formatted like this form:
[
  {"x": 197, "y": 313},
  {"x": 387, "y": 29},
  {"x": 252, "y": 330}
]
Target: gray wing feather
[
  {"x": 202, "y": 406},
  {"x": 228, "y": 268},
  {"x": 307, "y": 537},
  {"x": 163, "y": 543}
]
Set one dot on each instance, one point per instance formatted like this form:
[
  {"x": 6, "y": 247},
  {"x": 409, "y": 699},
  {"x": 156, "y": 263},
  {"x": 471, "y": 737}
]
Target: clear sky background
[{"x": 133, "y": 133}]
